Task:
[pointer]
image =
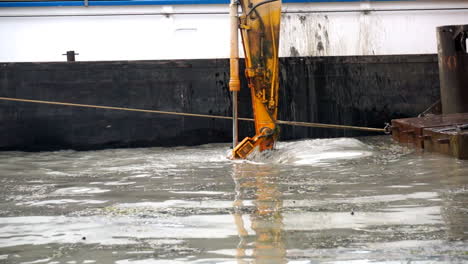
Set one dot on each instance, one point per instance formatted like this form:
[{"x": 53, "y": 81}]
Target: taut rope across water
[{"x": 281, "y": 122}]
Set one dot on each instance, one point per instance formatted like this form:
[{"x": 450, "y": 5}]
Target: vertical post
[
  {"x": 235, "y": 130},
  {"x": 234, "y": 82},
  {"x": 453, "y": 68}
]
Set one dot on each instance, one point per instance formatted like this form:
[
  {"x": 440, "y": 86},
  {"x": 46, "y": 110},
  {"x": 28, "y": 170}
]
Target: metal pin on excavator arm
[{"x": 259, "y": 25}]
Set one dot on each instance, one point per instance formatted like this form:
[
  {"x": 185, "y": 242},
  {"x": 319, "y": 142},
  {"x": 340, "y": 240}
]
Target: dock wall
[{"x": 361, "y": 90}]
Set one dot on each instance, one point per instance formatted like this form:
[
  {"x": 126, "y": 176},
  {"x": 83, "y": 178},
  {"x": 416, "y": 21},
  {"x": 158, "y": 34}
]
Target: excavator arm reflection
[{"x": 266, "y": 220}]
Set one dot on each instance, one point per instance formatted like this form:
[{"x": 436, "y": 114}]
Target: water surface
[{"x": 344, "y": 200}]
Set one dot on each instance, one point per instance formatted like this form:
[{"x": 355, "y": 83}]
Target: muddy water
[{"x": 311, "y": 201}]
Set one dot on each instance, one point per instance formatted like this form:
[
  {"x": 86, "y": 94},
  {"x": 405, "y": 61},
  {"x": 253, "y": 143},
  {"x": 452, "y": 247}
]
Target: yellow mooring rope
[{"x": 291, "y": 123}]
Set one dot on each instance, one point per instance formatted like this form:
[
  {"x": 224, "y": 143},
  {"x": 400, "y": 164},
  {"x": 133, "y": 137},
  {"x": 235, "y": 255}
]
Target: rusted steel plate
[
  {"x": 410, "y": 130},
  {"x": 449, "y": 140}
]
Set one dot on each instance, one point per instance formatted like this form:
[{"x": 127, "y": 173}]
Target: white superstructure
[{"x": 153, "y": 32}]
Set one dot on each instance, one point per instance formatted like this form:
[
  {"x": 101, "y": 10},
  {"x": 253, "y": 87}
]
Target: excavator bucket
[{"x": 260, "y": 26}]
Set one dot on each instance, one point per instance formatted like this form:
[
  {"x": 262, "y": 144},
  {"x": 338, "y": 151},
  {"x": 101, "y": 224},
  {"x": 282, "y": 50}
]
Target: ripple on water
[
  {"x": 71, "y": 191},
  {"x": 114, "y": 230},
  {"x": 61, "y": 202}
]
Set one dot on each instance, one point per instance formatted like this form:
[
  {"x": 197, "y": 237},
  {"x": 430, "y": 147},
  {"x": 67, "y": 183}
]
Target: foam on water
[{"x": 314, "y": 152}]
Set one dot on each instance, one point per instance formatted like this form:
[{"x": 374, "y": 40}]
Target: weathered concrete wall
[{"x": 365, "y": 91}]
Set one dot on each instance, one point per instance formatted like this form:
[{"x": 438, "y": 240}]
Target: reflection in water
[{"x": 266, "y": 218}]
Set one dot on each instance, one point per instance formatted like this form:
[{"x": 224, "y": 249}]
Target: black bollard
[
  {"x": 71, "y": 55},
  {"x": 453, "y": 68}
]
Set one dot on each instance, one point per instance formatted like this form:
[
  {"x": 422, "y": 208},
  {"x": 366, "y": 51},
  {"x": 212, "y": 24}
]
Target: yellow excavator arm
[{"x": 260, "y": 26}]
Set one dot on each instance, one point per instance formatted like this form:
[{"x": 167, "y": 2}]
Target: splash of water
[{"x": 314, "y": 151}]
